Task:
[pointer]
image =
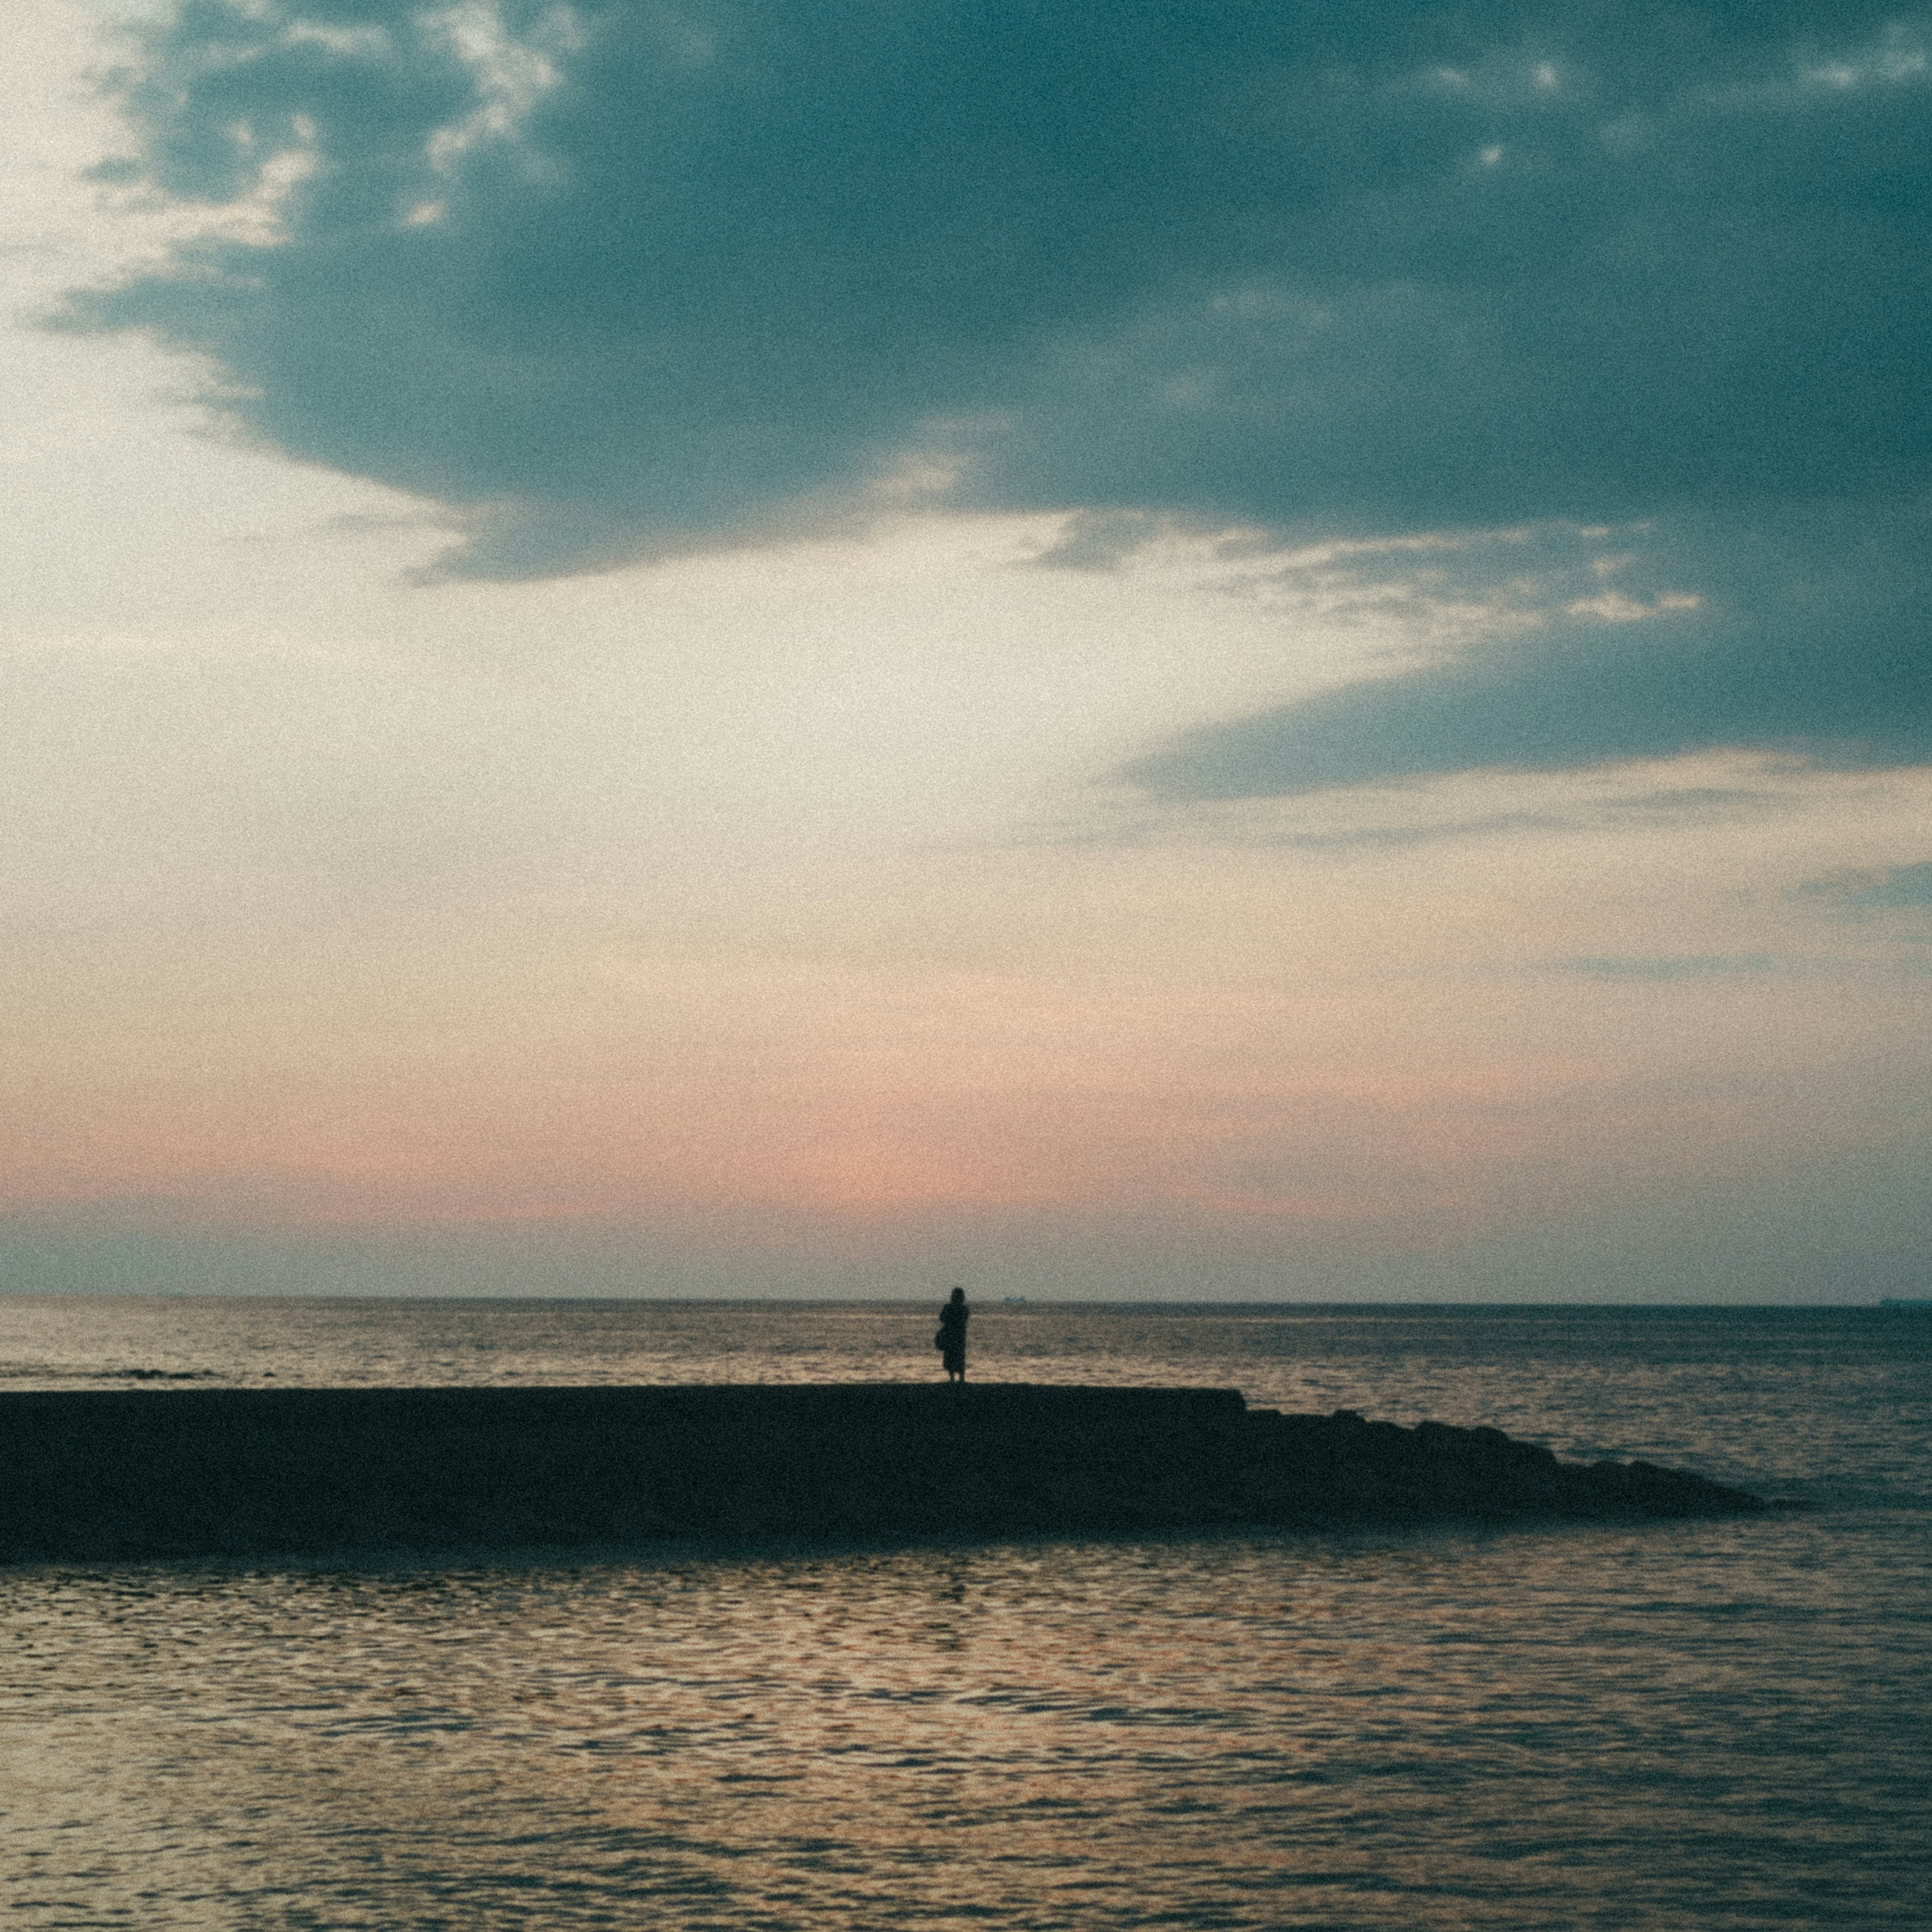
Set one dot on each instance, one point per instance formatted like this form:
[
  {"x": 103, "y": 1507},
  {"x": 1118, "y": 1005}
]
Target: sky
[{"x": 1204, "y": 651}]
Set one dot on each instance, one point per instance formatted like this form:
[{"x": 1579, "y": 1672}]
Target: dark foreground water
[{"x": 1701, "y": 1725}]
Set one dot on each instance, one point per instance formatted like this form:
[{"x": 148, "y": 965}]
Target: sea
[{"x": 1678, "y": 1727}]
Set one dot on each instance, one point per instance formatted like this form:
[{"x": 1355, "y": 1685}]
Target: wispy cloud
[
  {"x": 1802, "y": 635},
  {"x": 1882, "y": 890},
  {"x": 1666, "y": 967}
]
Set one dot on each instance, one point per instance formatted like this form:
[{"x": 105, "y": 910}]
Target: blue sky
[{"x": 1172, "y": 649}]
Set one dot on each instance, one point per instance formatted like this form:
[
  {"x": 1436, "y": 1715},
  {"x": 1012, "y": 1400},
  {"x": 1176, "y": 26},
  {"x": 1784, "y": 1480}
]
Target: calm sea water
[{"x": 1700, "y": 1726}]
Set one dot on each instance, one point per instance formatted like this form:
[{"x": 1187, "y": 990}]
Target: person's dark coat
[{"x": 951, "y": 1339}]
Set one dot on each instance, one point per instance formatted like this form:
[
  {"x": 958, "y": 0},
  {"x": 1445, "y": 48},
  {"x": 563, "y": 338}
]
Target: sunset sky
[{"x": 815, "y": 647}]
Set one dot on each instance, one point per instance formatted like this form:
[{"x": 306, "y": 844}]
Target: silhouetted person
[{"x": 951, "y": 1339}]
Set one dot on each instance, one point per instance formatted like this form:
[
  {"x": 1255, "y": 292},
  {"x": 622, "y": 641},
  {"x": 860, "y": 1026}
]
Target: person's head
[{"x": 958, "y": 1295}]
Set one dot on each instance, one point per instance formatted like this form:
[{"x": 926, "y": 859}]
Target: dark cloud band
[
  {"x": 620, "y": 275},
  {"x": 611, "y": 279},
  {"x": 1808, "y": 635}
]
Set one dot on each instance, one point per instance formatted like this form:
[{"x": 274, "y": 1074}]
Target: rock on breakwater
[
  {"x": 1313, "y": 1469},
  {"x": 120, "y": 1474}
]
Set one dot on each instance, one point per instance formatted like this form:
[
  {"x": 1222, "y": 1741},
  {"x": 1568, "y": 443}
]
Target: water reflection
[{"x": 1342, "y": 1732}]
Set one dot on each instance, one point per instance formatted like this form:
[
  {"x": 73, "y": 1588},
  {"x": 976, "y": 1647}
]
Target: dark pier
[{"x": 93, "y": 1477}]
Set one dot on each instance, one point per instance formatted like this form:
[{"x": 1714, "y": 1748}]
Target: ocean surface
[{"x": 1697, "y": 1727}]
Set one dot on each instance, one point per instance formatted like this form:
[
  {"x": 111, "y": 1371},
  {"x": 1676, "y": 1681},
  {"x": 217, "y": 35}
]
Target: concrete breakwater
[{"x": 101, "y": 1476}]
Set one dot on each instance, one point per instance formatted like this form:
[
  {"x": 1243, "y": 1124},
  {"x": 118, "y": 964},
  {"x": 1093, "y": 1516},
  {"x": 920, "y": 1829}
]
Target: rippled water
[{"x": 1696, "y": 1725}]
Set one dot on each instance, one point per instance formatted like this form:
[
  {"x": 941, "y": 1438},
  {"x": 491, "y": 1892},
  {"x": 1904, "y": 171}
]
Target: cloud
[
  {"x": 1888, "y": 889},
  {"x": 609, "y": 279},
  {"x": 1806, "y": 634},
  {"x": 1674, "y": 966}
]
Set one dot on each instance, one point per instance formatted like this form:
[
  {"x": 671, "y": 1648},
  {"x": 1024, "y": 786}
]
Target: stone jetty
[{"x": 145, "y": 1474}]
